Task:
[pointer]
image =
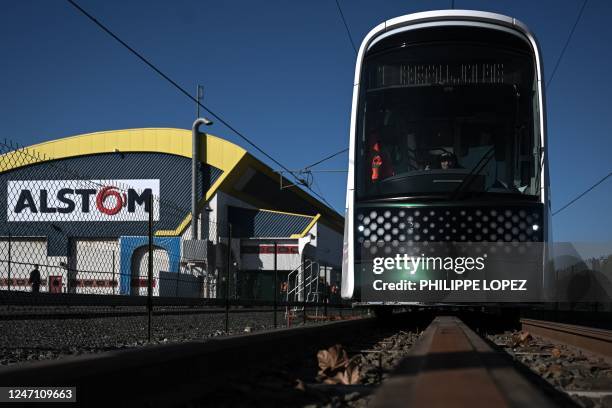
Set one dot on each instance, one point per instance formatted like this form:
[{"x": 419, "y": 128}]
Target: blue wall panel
[{"x": 128, "y": 245}]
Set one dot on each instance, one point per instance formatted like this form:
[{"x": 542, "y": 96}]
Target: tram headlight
[{"x": 535, "y": 227}]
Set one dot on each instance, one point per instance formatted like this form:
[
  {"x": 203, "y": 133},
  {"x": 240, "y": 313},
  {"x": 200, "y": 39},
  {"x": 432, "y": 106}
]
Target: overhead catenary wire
[
  {"x": 348, "y": 31},
  {"x": 331, "y": 156},
  {"x": 569, "y": 37},
  {"x": 552, "y": 75},
  {"x": 187, "y": 94},
  {"x": 314, "y": 180},
  {"x": 579, "y": 196}
]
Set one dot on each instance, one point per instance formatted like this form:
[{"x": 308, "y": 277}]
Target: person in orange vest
[{"x": 381, "y": 163}]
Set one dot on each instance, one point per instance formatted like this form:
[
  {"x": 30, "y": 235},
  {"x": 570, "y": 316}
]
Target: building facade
[{"x": 77, "y": 209}]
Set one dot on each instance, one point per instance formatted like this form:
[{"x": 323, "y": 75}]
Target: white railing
[{"x": 303, "y": 286}]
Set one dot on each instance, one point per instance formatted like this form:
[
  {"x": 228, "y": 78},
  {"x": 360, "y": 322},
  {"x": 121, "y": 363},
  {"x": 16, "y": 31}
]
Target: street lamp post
[{"x": 194, "y": 172}]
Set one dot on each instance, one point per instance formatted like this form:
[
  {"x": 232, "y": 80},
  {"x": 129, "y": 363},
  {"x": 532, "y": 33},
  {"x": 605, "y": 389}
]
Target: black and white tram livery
[{"x": 447, "y": 140}]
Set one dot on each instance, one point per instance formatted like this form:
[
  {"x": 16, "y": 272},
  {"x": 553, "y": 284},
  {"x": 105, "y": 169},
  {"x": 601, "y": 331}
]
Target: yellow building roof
[{"x": 220, "y": 153}]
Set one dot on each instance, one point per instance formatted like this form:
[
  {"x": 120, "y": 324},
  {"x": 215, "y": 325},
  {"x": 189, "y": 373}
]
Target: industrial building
[{"x": 77, "y": 207}]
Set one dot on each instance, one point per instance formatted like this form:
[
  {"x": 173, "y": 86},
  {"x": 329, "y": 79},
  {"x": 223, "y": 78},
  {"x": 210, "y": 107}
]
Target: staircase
[{"x": 303, "y": 284}]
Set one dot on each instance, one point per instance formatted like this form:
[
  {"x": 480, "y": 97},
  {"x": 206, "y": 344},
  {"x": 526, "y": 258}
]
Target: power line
[
  {"x": 177, "y": 86},
  {"x": 183, "y": 91},
  {"x": 348, "y": 32},
  {"x": 331, "y": 156},
  {"x": 314, "y": 180},
  {"x": 569, "y": 37},
  {"x": 582, "y": 194}
]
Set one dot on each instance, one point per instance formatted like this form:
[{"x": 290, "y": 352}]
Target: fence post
[
  {"x": 9, "y": 261},
  {"x": 304, "y": 290},
  {"x": 227, "y": 279},
  {"x": 178, "y": 276},
  {"x": 326, "y": 287},
  {"x": 275, "y": 283},
  {"x": 113, "y": 280},
  {"x": 150, "y": 267}
]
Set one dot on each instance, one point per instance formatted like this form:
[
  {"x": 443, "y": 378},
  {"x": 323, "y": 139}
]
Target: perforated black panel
[{"x": 448, "y": 224}]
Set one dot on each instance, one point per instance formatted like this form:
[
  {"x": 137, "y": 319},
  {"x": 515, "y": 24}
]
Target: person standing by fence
[{"x": 35, "y": 279}]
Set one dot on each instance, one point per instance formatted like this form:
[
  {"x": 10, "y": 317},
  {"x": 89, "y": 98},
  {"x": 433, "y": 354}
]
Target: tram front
[{"x": 447, "y": 158}]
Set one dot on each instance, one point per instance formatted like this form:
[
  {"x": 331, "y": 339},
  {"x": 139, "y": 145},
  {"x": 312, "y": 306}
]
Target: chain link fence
[{"x": 86, "y": 265}]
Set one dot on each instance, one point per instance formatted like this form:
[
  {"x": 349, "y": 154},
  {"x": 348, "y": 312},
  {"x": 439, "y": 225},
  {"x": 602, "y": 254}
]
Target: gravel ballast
[
  {"x": 284, "y": 383},
  {"x": 22, "y": 341},
  {"x": 585, "y": 377}
]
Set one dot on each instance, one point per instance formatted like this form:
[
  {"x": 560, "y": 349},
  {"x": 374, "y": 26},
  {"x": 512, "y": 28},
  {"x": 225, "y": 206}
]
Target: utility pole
[
  {"x": 275, "y": 283},
  {"x": 150, "y": 269},
  {"x": 195, "y": 135}
]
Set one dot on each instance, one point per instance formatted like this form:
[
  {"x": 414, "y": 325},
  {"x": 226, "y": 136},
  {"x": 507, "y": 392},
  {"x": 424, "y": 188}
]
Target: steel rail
[
  {"x": 598, "y": 341},
  {"x": 174, "y": 374},
  {"x": 451, "y": 366}
]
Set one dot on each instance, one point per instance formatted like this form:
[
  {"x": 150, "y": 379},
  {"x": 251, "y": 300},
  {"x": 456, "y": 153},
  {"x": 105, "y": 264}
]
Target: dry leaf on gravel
[
  {"x": 521, "y": 339},
  {"x": 336, "y": 368},
  {"x": 351, "y": 374},
  {"x": 332, "y": 359}
]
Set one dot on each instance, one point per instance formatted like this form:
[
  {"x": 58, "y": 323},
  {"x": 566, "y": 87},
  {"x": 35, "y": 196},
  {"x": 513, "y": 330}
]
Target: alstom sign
[{"x": 81, "y": 200}]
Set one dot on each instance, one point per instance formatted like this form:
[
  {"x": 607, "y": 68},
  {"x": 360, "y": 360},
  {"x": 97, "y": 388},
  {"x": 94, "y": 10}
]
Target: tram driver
[{"x": 448, "y": 161}]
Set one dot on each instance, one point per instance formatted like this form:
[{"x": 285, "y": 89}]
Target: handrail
[{"x": 303, "y": 282}]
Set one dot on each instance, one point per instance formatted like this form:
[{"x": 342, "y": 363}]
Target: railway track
[
  {"x": 451, "y": 366},
  {"x": 574, "y": 359},
  {"x": 598, "y": 341},
  {"x": 174, "y": 374},
  {"x": 395, "y": 364},
  {"x": 273, "y": 368}
]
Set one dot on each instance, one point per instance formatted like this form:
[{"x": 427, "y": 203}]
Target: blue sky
[{"x": 281, "y": 72}]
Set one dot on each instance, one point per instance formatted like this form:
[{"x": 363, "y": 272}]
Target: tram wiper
[{"x": 469, "y": 179}]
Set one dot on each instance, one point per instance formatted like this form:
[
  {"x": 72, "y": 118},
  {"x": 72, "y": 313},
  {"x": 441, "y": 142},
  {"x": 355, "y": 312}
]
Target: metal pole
[
  {"x": 199, "y": 95},
  {"x": 304, "y": 290},
  {"x": 178, "y": 275},
  {"x": 194, "y": 171},
  {"x": 326, "y": 288},
  {"x": 150, "y": 267},
  {"x": 9, "y": 261},
  {"x": 113, "y": 281},
  {"x": 227, "y": 280},
  {"x": 194, "y": 178},
  {"x": 275, "y": 283}
]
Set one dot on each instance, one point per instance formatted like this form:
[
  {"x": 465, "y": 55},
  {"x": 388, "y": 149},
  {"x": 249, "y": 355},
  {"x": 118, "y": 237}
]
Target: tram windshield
[{"x": 448, "y": 118}]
